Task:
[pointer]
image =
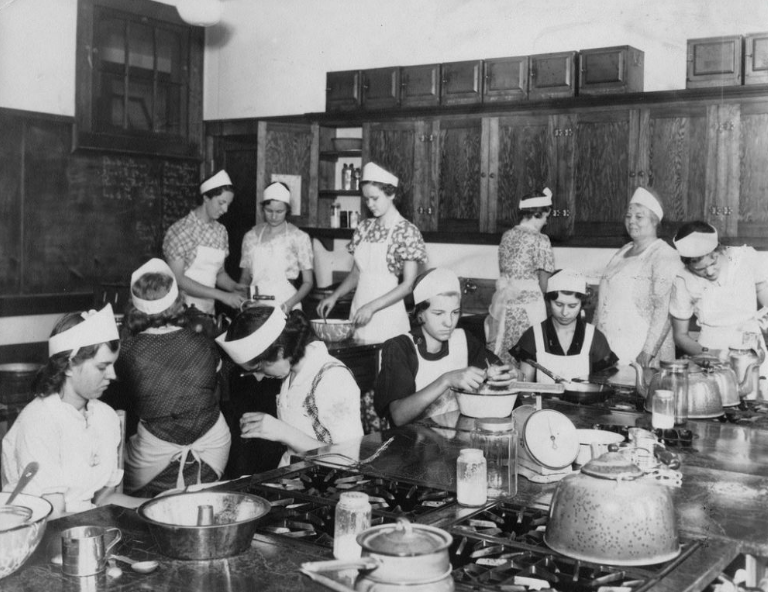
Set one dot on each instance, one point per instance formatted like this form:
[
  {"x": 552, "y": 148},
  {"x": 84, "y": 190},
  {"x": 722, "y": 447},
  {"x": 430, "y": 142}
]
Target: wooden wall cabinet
[
  {"x": 381, "y": 88},
  {"x": 342, "y": 91},
  {"x": 506, "y": 79},
  {"x": 756, "y": 58},
  {"x": 611, "y": 70},
  {"x": 462, "y": 83},
  {"x": 552, "y": 75},
  {"x": 420, "y": 86},
  {"x": 714, "y": 61}
]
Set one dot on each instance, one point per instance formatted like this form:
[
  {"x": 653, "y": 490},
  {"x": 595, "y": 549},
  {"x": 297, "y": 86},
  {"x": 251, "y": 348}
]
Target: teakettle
[{"x": 711, "y": 384}]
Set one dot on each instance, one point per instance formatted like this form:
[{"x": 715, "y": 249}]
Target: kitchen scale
[{"x": 549, "y": 444}]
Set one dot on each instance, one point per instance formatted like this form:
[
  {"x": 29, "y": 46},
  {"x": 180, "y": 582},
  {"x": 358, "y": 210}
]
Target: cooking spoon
[
  {"x": 144, "y": 567},
  {"x": 29, "y": 471}
]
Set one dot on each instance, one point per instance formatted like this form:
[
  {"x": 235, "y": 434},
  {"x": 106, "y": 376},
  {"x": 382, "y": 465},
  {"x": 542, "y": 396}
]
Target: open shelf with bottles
[{"x": 338, "y": 179}]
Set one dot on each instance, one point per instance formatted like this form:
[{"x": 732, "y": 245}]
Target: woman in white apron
[
  {"x": 633, "y": 303},
  {"x": 319, "y": 400},
  {"x": 275, "y": 253},
  {"x": 196, "y": 246},
  {"x": 722, "y": 286},
  {"x": 525, "y": 262},
  {"x": 564, "y": 343},
  {"x": 383, "y": 247},
  {"x": 419, "y": 369},
  {"x": 169, "y": 374}
]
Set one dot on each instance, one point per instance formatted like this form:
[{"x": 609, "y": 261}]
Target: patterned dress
[
  {"x": 523, "y": 252},
  {"x": 407, "y": 243}
]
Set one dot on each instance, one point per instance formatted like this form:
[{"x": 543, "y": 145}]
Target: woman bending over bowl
[
  {"x": 419, "y": 369},
  {"x": 722, "y": 286},
  {"x": 72, "y": 435},
  {"x": 319, "y": 400},
  {"x": 170, "y": 374},
  {"x": 564, "y": 342}
]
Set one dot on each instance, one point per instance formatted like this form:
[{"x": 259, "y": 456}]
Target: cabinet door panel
[
  {"x": 290, "y": 149},
  {"x": 601, "y": 181},
  {"x": 753, "y": 176},
  {"x": 676, "y": 164},
  {"x": 458, "y": 185},
  {"x": 523, "y": 165},
  {"x": 396, "y": 147}
]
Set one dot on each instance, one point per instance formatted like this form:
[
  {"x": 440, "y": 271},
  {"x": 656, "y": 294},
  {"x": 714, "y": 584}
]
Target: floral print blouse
[{"x": 407, "y": 244}]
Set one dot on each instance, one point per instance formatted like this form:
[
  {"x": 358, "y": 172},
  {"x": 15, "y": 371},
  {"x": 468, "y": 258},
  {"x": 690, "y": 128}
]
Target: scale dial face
[{"x": 551, "y": 439}]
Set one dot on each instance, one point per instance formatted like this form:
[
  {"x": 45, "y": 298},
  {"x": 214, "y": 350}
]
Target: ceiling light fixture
[{"x": 200, "y": 13}]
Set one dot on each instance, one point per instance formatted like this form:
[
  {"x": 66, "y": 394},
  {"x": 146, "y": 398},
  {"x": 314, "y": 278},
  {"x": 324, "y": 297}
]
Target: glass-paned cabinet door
[{"x": 139, "y": 79}]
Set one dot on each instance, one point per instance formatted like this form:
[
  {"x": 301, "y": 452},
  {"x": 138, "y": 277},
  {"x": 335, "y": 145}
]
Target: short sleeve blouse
[
  {"x": 296, "y": 244},
  {"x": 407, "y": 244}
]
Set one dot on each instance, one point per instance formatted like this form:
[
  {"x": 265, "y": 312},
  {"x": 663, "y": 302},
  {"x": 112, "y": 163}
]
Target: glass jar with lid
[
  {"x": 497, "y": 438},
  {"x": 471, "y": 479},
  {"x": 352, "y": 516}
]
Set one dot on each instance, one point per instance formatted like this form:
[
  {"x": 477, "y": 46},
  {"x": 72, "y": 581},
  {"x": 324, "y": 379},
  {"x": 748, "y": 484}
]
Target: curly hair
[
  {"x": 51, "y": 377},
  {"x": 153, "y": 286},
  {"x": 292, "y": 341}
]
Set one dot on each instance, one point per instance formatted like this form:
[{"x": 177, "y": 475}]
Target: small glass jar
[
  {"x": 673, "y": 376},
  {"x": 497, "y": 438},
  {"x": 353, "y": 516},
  {"x": 346, "y": 177},
  {"x": 335, "y": 215},
  {"x": 471, "y": 478},
  {"x": 663, "y": 410}
]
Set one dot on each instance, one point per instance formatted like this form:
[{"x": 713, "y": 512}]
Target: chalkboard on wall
[{"x": 90, "y": 218}]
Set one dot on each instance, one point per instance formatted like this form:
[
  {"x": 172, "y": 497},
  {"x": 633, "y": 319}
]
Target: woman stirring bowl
[
  {"x": 383, "y": 247},
  {"x": 72, "y": 435},
  {"x": 564, "y": 343},
  {"x": 721, "y": 286},
  {"x": 419, "y": 369},
  {"x": 633, "y": 303},
  {"x": 319, "y": 400},
  {"x": 275, "y": 253}
]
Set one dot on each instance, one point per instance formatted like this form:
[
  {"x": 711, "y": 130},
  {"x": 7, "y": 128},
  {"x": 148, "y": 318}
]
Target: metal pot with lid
[
  {"x": 607, "y": 514},
  {"x": 396, "y": 556}
]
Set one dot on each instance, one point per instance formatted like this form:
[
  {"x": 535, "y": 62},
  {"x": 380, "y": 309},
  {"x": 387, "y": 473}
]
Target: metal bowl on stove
[{"x": 173, "y": 522}]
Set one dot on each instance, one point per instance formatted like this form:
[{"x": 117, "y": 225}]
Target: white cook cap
[
  {"x": 537, "y": 201},
  {"x": 697, "y": 244},
  {"x": 245, "y": 349},
  {"x": 278, "y": 192},
  {"x": 437, "y": 281},
  {"x": 645, "y": 198},
  {"x": 567, "y": 280},
  {"x": 98, "y": 327},
  {"x": 220, "y": 179},
  {"x": 373, "y": 172},
  {"x": 152, "y": 307}
]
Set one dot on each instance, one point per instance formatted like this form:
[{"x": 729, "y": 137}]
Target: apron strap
[{"x": 310, "y": 403}]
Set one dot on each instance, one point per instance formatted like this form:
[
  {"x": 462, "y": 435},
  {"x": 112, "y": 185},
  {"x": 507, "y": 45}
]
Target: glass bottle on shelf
[
  {"x": 336, "y": 215},
  {"x": 356, "y": 175},
  {"x": 346, "y": 177}
]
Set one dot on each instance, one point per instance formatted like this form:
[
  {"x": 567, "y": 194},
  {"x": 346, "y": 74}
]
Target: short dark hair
[
  {"x": 537, "y": 212},
  {"x": 216, "y": 190},
  {"x": 153, "y": 286},
  {"x": 689, "y": 228},
  {"x": 422, "y": 306},
  {"x": 550, "y": 296},
  {"x": 292, "y": 341},
  {"x": 388, "y": 189},
  {"x": 51, "y": 377}
]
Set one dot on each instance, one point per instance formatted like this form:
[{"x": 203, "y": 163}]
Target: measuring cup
[{"x": 85, "y": 550}]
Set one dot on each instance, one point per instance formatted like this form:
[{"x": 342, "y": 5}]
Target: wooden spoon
[{"x": 29, "y": 471}]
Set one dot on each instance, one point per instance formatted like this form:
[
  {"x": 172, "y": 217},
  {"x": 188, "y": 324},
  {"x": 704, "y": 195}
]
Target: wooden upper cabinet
[
  {"x": 611, "y": 70},
  {"x": 552, "y": 75},
  {"x": 753, "y": 171},
  {"x": 462, "y": 83},
  {"x": 714, "y": 61},
  {"x": 420, "y": 86},
  {"x": 342, "y": 91},
  {"x": 291, "y": 151},
  {"x": 756, "y": 58},
  {"x": 139, "y": 72},
  {"x": 602, "y": 145},
  {"x": 381, "y": 88},
  {"x": 506, "y": 79}
]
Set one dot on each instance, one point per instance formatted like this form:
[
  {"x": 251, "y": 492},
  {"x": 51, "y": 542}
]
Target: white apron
[
  {"x": 268, "y": 265},
  {"x": 147, "y": 455},
  {"x": 204, "y": 270},
  {"x": 569, "y": 367},
  {"x": 726, "y": 311},
  {"x": 376, "y": 280},
  {"x": 431, "y": 370}
]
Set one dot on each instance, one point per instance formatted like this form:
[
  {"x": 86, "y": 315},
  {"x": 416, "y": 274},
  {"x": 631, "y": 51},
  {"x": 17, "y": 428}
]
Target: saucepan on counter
[
  {"x": 394, "y": 556},
  {"x": 576, "y": 391}
]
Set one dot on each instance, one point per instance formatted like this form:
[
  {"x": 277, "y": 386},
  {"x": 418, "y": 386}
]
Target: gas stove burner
[
  {"x": 385, "y": 495},
  {"x": 502, "y": 548}
]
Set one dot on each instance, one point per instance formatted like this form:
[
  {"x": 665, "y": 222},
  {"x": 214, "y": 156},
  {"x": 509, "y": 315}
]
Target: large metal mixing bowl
[
  {"x": 19, "y": 542},
  {"x": 172, "y": 520}
]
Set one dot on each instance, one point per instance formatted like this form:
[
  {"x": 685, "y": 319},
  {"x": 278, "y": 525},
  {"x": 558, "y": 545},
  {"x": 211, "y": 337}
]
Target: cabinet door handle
[
  {"x": 469, "y": 286},
  {"x": 640, "y": 173},
  {"x": 632, "y": 174},
  {"x": 492, "y": 175},
  {"x": 482, "y": 175}
]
